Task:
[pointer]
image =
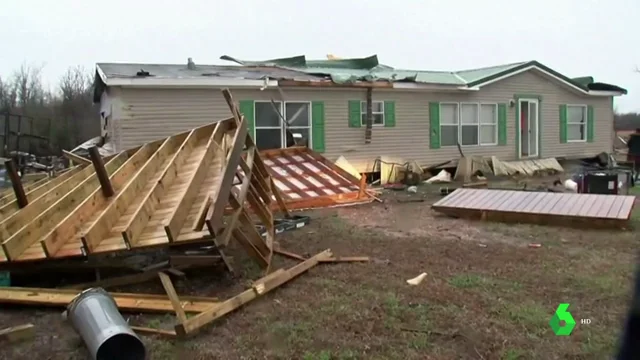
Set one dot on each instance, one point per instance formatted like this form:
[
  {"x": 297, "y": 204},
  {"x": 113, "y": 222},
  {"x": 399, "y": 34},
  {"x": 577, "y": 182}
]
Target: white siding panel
[{"x": 148, "y": 114}]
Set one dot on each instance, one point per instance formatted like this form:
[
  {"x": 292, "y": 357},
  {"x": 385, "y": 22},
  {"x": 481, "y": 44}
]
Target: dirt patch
[{"x": 487, "y": 294}]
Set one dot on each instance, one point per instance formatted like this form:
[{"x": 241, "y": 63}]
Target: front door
[{"x": 528, "y": 127}]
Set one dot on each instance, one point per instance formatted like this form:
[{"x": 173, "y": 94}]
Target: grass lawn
[{"x": 488, "y": 295}]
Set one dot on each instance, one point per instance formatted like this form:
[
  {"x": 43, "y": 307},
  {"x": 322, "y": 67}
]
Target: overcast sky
[{"x": 575, "y": 37}]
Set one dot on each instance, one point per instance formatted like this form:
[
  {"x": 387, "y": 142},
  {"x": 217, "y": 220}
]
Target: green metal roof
[{"x": 343, "y": 71}]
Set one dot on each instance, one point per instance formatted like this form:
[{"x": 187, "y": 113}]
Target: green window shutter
[
  {"x": 502, "y": 124},
  {"x": 355, "y": 119},
  {"x": 434, "y": 125},
  {"x": 563, "y": 124},
  {"x": 590, "y": 123},
  {"x": 317, "y": 126},
  {"x": 389, "y": 114},
  {"x": 246, "y": 108}
]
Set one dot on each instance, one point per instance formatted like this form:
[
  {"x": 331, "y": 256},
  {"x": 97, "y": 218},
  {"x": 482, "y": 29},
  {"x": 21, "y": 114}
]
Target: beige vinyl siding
[{"x": 148, "y": 114}]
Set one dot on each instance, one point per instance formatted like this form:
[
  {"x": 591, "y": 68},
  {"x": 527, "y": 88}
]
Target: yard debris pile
[{"x": 175, "y": 197}]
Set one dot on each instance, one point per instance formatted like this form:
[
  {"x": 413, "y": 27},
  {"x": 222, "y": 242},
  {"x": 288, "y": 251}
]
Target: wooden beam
[
  {"x": 260, "y": 287},
  {"x": 239, "y": 200},
  {"x": 16, "y": 182},
  {"x": 76, "y": 158},
  {"x": 17, "y": 333},
  {"x": 101, "y": 172},
  {"x": 19, "y": 241},
  {"x": 13, "y": 222},
  {"x": 173, "y": 297},
  {"x": 67, "y": 228},
  {"x": 118, "y": 205},
  {"x": 151, "y": 199},
  {"x": 179, "y": 214},
  {"x": 125, "y": 301},
  {"x": 214, "y": 222},
  {"x": 151, "y": 331}
]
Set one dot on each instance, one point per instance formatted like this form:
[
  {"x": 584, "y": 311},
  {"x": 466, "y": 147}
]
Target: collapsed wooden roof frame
[{"x": 76, "y": 208}]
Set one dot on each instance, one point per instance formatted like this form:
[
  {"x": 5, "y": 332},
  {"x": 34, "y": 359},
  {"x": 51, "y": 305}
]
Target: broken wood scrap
[
  {"x": 338, "y": 259},
  {"x": 17, "y": 333},
  {"x": 152, "y": 331},
  {"x": 76, "y": 158},
  {"x": 289, "y": 254},
  {"x": 264, "y": 285}
]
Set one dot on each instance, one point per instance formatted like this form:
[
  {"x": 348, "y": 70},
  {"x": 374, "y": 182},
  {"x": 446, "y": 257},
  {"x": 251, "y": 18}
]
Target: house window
[
  {"x": 576, "y": 123},
  {"x": 477, "y": 125},
  {"x": 449, "y": 124},
  {"x": 268, "y": 125},
  {"x": 488, "y": 124},
  {"x": 271, "y": 131},
  {"x": 377, "y": 113}
]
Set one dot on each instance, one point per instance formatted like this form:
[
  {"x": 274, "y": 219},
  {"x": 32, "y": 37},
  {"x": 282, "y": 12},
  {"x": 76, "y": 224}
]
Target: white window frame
[
  {"x": 495, "y": 123},
  {"x": 283, "y": 109},
  {"x": 457, "y": 124},
  {"x": 478, "y": 124},
  {"x": 363, "y": 123},
  {"x": 586, "y": 120}
]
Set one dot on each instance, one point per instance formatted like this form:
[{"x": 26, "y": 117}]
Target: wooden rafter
[{"x": 161, "y": 193}]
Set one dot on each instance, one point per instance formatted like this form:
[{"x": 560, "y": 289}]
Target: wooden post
[
  {"x": 101, "y": 172},
  {"x": 21, "y": 197}
]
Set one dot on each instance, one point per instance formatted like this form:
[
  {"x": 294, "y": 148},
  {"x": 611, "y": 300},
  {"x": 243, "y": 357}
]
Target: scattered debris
[
  {"x": 17, "y": 333},
  {"x": 443, "y": 177},
  {"x": 535, "y": 246},
  {"x": 482, "y": 245},
  {"x": 418, "y": 279},
  {"x": 412, "y": 189}
]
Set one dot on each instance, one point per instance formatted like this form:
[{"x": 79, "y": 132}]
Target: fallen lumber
[
  {"x": 346, "y": 259},
  {"x": 17, "y": 333},
  {"x": 260, "y": 287},
  {"x": 125, "y": 301}
]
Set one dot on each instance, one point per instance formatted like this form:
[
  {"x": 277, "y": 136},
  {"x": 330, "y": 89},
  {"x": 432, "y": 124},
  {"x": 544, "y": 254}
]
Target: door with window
[
  {"x": 282, "y": 124},
  {"x": 528, "y": 127}
]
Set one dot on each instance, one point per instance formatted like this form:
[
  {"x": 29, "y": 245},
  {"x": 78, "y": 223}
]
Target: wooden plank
[
  {"x": 17, "y": 333},
  {"x": 226, "y": 180},
  {"x": 68, "y": 227},
  {"x": 76, "y": 158},
  {"x": 64, "y": 184},
  {"x": 47, "y": 220},
  {"x": 150, "y": 200},
  {"x": 238, "y": 200},
  {"x": 260, "y": 287},
  {"x": 173, "y": 297},
  {"x": 151, "y": 331},
  {"x": 125, "y": 301},
  {"x": 179, "y": 214},
  {"x": 117, "y": 206}
]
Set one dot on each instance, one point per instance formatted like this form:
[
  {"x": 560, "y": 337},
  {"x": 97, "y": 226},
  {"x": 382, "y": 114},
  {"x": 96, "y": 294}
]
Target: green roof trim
[{"x": 369, "y": 69}]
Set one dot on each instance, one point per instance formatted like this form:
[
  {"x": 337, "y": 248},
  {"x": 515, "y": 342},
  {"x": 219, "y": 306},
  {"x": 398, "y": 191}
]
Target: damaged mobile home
[{"x": 362, "y": 110}]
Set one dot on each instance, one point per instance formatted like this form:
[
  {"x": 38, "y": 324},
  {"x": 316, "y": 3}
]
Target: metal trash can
[{"x": 95, "y": 316}]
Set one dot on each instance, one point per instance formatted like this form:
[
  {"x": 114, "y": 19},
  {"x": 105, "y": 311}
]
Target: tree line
[
  {"x": 64, "y": 113},
  {"x": 627, "y": 121}
]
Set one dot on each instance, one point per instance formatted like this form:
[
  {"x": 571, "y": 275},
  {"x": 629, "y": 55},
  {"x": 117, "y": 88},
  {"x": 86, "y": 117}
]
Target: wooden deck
[
  {"x": 566, "y": 209},
  {"x": 165, "y": 192}
]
